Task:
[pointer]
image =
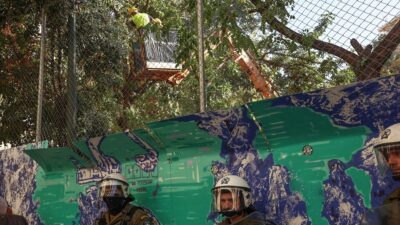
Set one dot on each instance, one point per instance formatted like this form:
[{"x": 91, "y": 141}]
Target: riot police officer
[
  {"x": 387, "y": 150},
  {"x": 232, "y": 199},
  {"x": 7, "y": 217},
  {"x": 113, "y": 189}
]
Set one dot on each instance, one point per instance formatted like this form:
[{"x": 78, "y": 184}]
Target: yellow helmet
[{"x": 132, "y": 9}]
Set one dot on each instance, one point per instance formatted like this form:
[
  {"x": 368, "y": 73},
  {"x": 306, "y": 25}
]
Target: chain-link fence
[
  {"x": 362, "y": 33},
  {"x": 128, "y": 75}
]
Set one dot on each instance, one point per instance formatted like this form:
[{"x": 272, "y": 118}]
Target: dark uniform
[
  {"x": 130, "y": 215},
  {"x": 254, "y": 218},
  {"x": 387, "y": 214},
  {"x": 12, "y": 220}
]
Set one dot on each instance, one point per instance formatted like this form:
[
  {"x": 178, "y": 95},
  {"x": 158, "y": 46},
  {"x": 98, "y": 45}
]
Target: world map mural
[{"x": 308, "y": 159}]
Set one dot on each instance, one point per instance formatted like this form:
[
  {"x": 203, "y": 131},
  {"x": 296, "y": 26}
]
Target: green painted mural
[{"x": 307, "y": 157}]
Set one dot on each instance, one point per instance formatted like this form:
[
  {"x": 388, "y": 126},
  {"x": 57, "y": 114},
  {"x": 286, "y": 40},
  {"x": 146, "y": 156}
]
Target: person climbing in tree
[{"x": 142, "y": 20}]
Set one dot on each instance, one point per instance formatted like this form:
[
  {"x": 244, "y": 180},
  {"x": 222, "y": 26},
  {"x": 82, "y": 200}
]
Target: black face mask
[
  {"x": 231, "y": 213},
  {"x": 115, "y": 204}
]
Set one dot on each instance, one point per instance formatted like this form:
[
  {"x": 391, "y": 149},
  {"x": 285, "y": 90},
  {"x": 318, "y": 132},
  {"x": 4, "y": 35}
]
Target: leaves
[{"x": 108, "y": 89}]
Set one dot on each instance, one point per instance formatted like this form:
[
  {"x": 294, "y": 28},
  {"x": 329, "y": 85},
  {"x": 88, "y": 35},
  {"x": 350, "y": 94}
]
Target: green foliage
[
  {"x": 18, "y": 81},
  {"x": 302, "y": 70},
  {"x": 105, "y": 42}
]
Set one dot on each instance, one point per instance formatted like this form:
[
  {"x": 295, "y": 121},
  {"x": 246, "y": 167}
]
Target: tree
[
  {"x": 111, "y": 97},
  {"x": 107, "y": 84},
  {"x": 392, "y": 65},
  {"x": 18, "y": 61},
  {"x": 291, "y": 66},
  {"x": 368, "y": 61}
]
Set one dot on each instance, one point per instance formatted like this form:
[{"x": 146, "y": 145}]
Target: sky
[{"x": 353, "y": 18}]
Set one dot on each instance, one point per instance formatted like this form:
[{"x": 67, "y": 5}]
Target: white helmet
[
  {"x": 388, "y": 142},
  {"x": 113, "y": 185},
  {"x": 231, "y": 194}
]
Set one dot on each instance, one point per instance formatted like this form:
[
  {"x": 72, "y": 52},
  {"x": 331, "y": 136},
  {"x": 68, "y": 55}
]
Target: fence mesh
[
  {"x": 361, "y": 20},
  {"x": 128, "y": 76}
]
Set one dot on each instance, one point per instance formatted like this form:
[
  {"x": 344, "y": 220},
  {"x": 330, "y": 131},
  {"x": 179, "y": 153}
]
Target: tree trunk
[{"x": 134, "y": 82}]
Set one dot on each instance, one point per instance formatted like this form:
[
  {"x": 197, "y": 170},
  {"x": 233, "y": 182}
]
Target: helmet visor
[
  {"x": 385, "y": 155},
  {"x": 113, "y": 188},
  {"x": 227, "y": 200}
]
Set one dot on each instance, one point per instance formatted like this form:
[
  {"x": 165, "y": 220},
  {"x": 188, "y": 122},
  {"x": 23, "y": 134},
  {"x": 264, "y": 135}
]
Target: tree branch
[
  {"x": 384, "y": 49},
  {"x": 280, "y": 64},
  {"x": 340, "y": 52},
  {"x": 366, "y": 64},
  {"x": 294, "y": 56}
]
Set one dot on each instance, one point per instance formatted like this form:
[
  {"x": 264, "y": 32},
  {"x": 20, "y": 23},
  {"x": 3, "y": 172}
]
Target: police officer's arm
[{"x": 146, "y": 220}]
